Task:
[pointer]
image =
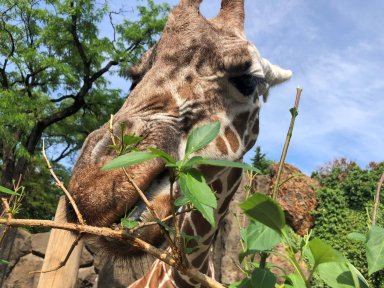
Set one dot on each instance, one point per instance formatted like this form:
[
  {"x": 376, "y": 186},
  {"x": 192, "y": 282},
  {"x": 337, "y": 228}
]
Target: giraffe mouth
[{"x": 159, "y": 197}]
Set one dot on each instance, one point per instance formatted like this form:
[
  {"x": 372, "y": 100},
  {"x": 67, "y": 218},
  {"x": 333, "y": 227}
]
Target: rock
[
  {"x": 39, "y": 243},
  {"x": 20, "y": 276},
  {"x": 21, "y": 246},
  {"x": 297, "y": 197}
]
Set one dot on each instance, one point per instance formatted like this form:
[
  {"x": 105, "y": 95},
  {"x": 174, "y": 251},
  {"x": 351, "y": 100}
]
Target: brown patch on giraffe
[
  {"x": 185, "y": 92},
  {"x": 232, "y": 178},
  {"x": 217, "y": 185},
  {"x": 240, "y": 122},
  {"x": 203, "y": 226},
  {"x": 200, "y": 259},
  {"x": 181, "y": 282},
  {"x": 221, "y": 146},
  {"x": 232, "y": 139},
  {"x": 255, "y": 128}
]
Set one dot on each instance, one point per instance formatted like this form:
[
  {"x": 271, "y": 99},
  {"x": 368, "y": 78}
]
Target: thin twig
[
  {"x": 162, "y": 220},
  {"x": 61, "y": 185},
  {"x": 122, "y": 235},
  {"x": 7, "y": 208},
  {"x": 149, "y": 206},
  {"x": 377, "y": 199},
  {"x": 64, "y": 262},
  {"x": 294, "y": 113}
]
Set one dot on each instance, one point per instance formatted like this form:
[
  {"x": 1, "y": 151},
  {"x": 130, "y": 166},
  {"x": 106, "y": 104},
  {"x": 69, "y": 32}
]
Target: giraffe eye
[{"x": 246, "y": 83}]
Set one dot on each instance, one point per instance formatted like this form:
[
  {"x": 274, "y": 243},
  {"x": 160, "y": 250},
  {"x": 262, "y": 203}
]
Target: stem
[
  {"x": 292, "y": 258},
  {"x": 294, "y": 113},
  {"x": 377, "y": 199}
]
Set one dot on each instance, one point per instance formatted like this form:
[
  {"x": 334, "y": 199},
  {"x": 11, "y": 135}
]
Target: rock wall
[{"x": 296, "y": 195}]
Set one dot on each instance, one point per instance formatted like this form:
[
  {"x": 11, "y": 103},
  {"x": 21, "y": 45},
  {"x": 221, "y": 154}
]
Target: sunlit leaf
[
  {"x": 259, "y": 237},
  {"x": 197, "y": 191},
  {"x": 168, "y": 158},
  {"x": 324, "y": 253},
  {"x": 128, "y": 223},
  {"x": 262, "y": 208},
  {"x": 128, "y": 159},
  {"x": 201, "y": 137},
  {"x": 7, "y": 191},
  {"x": 375, "y": 249},
  {"x": 221, "y": 163}
]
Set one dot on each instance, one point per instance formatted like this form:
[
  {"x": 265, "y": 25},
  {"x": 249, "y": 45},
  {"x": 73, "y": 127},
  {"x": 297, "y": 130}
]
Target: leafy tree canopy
[{"x": 53, "y": 67}]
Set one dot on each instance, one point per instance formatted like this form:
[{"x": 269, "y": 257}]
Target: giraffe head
[{"x": 199, "y": 71}]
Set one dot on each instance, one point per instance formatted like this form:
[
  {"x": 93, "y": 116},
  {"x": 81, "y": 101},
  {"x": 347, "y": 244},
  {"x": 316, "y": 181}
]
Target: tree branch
[
  {"x": 71, "y": 96},
  {"x": 78, "y": 45}
]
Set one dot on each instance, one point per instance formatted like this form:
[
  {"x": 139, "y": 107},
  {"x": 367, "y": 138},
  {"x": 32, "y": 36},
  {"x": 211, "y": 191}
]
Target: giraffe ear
[{"x": 232, "y": 14}]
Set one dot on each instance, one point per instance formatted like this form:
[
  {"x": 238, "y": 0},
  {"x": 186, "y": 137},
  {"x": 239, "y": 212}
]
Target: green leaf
[
  {"x": 375, "y": 249},
  {"x": 165, "y": 156},
  {"x": 201, "y": 137},
  {"x": 181, "y": 201},
  {"x": 324, "y": 253},
  {"x": 262, "y": 208},
  {"x": 296, "y": 281},
  {"x": 259, "y": 237},
  {"x": 198, "y": 160},
  {"x": 339, "y": 275},
  {"x": 128, "y": 223},
  {"x": 4, "y": 262},
  {"x": 7, "y": 191},
  {"x": 128, "y": 159},
  {"x": 358, "y": 278},
  {"x": 245, "y": 283},
  {"x": 356, "y": 236},
  {"x": 196, "y": 190},
  {"x": 131, "y": 139},
  {"x": 262, "y": 278}
]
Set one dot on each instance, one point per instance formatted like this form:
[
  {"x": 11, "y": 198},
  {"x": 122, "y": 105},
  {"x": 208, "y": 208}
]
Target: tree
[
  {"x": 53, "y": 67},
  {"x": 261, "y": 162}
]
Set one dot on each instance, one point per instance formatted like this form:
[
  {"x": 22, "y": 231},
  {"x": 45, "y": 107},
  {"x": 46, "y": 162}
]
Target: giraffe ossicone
[{"x": 198, "y": 72}]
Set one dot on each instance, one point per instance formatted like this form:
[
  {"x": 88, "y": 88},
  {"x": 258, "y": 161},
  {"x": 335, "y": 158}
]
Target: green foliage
[
  {"x": 345, "y": 205},
  {"x": 53, "y": 82},
  {"x": 193, "y": 186},
  {"x": 261, "y": 162}
]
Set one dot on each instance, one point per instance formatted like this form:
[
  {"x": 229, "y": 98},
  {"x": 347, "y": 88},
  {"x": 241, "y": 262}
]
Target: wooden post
[{"x": 60, "y": 241}]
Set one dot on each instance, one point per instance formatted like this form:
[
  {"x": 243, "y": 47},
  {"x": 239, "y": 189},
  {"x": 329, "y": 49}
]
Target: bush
[{"x": 345, "y": 206}]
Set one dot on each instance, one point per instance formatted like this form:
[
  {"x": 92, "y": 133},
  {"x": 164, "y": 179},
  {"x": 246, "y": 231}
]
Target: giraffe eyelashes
[{"x": 247, "y": 84}]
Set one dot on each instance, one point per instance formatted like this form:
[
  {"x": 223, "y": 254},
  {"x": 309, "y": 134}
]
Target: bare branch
[
  {"x": 64, "y": 262},
  {"x": 377, "y": 199},
  {"x": 78, "y": 45},
  {"x": 61, "y": 185}
]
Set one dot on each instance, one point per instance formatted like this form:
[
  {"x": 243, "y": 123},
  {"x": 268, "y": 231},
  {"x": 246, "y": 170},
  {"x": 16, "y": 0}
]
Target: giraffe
[{"x": 198, "y": 72}]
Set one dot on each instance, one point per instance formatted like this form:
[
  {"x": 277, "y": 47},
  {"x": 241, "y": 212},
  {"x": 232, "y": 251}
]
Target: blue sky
[{"x": 336, "y": 52}]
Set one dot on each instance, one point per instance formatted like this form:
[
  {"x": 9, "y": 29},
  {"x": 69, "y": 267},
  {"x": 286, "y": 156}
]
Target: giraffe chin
[{"x": 121, "y": 250}]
